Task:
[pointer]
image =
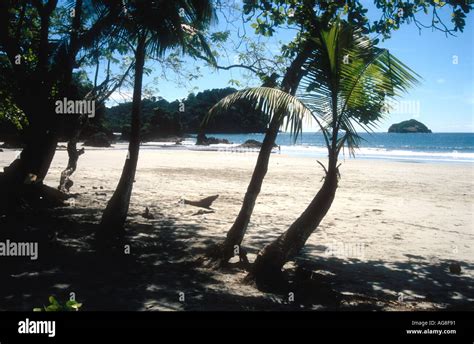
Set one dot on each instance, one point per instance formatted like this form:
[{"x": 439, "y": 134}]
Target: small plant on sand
[{"x": 55, "y": 306}]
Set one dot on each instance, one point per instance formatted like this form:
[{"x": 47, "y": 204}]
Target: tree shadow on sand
[
  {"x": 415, "y": 284},
  {"x": 161, "y": 272}
]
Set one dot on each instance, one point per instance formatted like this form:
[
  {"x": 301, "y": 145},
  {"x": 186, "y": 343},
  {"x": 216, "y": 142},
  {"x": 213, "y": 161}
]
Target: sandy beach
[{"x": 387, "y": 242}]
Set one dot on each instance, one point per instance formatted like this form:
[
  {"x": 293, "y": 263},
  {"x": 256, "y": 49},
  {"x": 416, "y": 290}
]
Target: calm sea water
[{"x": 447, "y": 147}]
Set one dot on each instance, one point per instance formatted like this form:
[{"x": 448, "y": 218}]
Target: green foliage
[
  {"x": 10, "y": 113},
  {"x": 220, "y": 36},
  {"x": 165, "y": 24},
  {"x": 270, "y": 14},
  {"x": 160, "y": 117},
  {"x": 349, "y": 81},
  {"x": 26, "y": 81},
  {"x": 55, "y": 306},
  {"x": 458, "y": 20},
  {"x": 270, "y": 101}
]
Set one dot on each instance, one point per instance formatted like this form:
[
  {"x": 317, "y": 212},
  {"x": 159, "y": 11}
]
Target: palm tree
[
  {"x": 154, "y": 27},
  {"x": 279, "y": 106},
  {"x": 348, "y": 80},
  {"x": 221, "y": 253},
  {"x": 348, "y": 83}
]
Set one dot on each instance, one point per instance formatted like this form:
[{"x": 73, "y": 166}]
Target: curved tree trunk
[
  {"x": 236, "y": 233},
  {"x": 65, "y": 182},
  {"x": 35, "y": 158},
  {"x": 32, "y": 164},
  {"x": 115, "y": 214},
  {"x": 267, "y": 269},
  {"x": 270, "y": 260}
]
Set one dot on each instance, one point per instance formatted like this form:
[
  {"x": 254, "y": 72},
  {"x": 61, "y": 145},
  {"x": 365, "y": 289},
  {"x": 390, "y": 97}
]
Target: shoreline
[
  {"x": 452, "y": 148},
  {"x": 365, "y": 154}
]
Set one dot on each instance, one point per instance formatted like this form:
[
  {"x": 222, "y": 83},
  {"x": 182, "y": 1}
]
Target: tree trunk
[
  {"x": 35, "y": 160},
  {"x": 115, "y": 214},
  {"x": 65, "y": 182},
  {"x": 236, "y": 233},
  {"x": 41, "y": 142},
  {"x": 270, "y": 260}
]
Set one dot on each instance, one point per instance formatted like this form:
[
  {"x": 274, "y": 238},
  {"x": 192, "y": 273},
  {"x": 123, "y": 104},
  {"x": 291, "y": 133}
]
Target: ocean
[{"x": 436, "y": 147}]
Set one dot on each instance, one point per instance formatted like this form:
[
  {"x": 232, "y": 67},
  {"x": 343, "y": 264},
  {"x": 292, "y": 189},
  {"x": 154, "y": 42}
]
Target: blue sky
[
  {"x": 444, "y": 101},
  {"x": 446, "y": 94}
]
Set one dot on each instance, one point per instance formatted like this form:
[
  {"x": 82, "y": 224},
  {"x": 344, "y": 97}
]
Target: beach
[{"x": 387, "y": 243}]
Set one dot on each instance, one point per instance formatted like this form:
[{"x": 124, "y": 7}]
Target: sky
[
  {"x": 444, "y": 100},
  {"x": 446, "y": 93}
]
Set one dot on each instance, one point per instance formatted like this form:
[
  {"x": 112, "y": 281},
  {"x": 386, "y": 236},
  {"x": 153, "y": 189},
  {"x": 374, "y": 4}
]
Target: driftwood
[
  {"x": 203, "y": 203},
  {"x": 203, "y": 212}
]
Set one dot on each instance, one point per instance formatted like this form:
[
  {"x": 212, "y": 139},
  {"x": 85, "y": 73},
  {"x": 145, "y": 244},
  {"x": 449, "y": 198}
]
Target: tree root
[
  {"x": 31, "y": 195},
  {"x": 216, "y": 258}
]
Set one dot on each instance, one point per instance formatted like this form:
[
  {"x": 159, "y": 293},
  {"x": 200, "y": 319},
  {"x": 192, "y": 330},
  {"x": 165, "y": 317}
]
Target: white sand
[{"x": 400, "y": 217}]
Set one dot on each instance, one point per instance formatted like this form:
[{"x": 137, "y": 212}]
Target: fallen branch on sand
[
  {"x": 203, "y": 212},
  {"x": 203, "y": 203}
]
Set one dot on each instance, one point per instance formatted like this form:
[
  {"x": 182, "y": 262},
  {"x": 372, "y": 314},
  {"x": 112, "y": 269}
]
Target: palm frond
[
  {"x": 164, "y": 21},
  {"x": 272, "y": 102},
  {"x": 347, "y": 66}
]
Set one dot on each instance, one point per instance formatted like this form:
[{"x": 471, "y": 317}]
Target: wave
[
  {"x": 383, "y": 153},
  {"x": 315, "y": 151},
  {"x": 309, "y": 150}
]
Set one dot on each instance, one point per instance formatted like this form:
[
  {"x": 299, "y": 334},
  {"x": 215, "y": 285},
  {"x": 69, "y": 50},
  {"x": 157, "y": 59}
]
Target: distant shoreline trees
[{"x": 162, "y": 118}]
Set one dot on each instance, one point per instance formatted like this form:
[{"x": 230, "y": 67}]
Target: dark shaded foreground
[{"x": 163, "y": 266}]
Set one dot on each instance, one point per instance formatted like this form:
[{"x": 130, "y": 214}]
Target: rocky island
[{"x": 410, "y": 126}]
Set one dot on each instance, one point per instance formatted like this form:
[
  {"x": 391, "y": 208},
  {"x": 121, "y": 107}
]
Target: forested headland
[{"x": 162, "y": 118}]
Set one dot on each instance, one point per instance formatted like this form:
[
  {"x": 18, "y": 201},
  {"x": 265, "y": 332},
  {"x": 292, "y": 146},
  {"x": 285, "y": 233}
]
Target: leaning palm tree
[
  {"x": 347, "y": 86},
  {"x": 281, "y": 109},
  {"x": 152, "y": 27},
  {"x": 348, "y": 81}
]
